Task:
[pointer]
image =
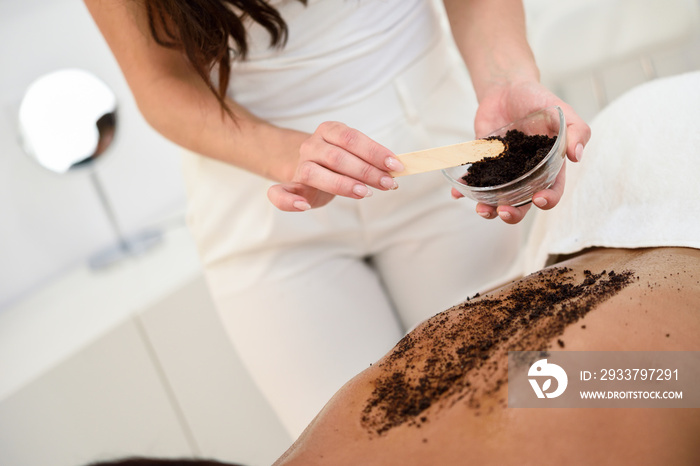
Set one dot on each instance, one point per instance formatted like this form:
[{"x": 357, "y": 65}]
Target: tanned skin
[{"x": 658, "y": 311}]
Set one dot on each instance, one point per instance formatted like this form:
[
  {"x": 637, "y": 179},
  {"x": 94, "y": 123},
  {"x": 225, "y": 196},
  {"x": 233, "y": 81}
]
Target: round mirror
[{"x": 67, "y": 119}]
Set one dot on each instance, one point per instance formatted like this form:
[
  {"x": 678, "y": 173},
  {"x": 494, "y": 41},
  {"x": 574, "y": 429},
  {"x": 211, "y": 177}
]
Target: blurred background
[{"x": 129, "y": 358}]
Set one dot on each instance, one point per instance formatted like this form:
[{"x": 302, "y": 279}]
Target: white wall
[
  {"x": 591, "y": 51},
  {"x": 49, "y": 223}
]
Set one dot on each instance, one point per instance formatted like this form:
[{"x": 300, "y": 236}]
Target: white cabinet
[
  {"x": 128, "y": 361},
  {"x": 105, "y": 400},
  {"x": 227, "y": 416}
]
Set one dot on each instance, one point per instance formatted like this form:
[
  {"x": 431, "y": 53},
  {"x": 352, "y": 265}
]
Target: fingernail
[
  {"x": 393, "y": 164},
  {"x": 388, "y": 182},
  {"x": 579, "y": 152},
  {"x": 361, "y": 190},
  {"x": 505, "y": 215},
  {"x": 540, "y": 202},
  {"x": 301, "y": 205},
  {"x": 485, "y": 214}
]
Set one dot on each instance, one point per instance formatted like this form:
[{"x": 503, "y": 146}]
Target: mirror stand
[{"x": 126, "y": 246}]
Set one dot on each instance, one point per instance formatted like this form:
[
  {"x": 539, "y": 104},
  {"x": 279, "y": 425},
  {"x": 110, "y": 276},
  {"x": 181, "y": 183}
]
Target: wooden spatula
[{"x": 448, "y": 156}]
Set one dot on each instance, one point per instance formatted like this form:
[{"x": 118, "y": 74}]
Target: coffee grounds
[
  {"x": 522, "y": 153},
  {"x": 455, "y": 355}
]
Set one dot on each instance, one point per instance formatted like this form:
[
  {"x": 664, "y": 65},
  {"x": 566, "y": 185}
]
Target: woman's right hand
[
  {"x": 335, "y": 160},
  {"x": 176, "y": 101}
]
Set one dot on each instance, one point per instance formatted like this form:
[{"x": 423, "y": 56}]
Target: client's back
[{"x": 439, "y": 397}]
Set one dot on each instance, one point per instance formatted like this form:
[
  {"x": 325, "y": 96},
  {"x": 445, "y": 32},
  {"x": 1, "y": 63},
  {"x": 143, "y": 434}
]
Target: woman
[{"x": 307, "y": 104}]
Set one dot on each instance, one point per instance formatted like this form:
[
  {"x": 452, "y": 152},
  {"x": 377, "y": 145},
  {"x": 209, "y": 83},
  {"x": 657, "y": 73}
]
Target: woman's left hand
[{"x": 506, "y": 103}]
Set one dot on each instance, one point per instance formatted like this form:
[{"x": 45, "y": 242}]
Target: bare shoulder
[{"x": 658, "y": 311}]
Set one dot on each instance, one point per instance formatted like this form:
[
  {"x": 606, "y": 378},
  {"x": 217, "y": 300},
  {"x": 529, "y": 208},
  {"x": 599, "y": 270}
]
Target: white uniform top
[{"x": 338, "y": 52}]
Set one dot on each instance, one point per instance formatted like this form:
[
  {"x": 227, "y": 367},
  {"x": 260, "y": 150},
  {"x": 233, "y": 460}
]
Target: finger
[
  {"x": 341, "y": 161},
  {"x": 294, "y": 197},
  {"x": 577, "y": 135},
  {"x": 549, "y": 198},
  {"x": 512, "y": 215},
  {"x": 359, "y": 144},
  {"x": 456, "y": 194},
  {"x": 486, "y": 211},
  {"x": 287, "y": 199},
  {"x": 319, "y": 177},
  {"x": 545, "y": 200}
]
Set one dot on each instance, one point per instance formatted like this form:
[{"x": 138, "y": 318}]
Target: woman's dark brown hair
[
  {"x": 144, "y": 461},
  {"x": 212, "y": 33}
]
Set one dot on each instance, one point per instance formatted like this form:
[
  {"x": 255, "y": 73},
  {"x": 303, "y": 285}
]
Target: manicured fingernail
[
  {"x": 361, "y": 190},
  {"x": 301, "y": 205},
  {"x": 579, "y": 152},
  {"x": 540, "y": 202},
  {"x": 393, "y": 164},
  {"x": 504, "y": 215},
  {"x": 388, "y": 182},
  {"x": 485, "y": 214}
]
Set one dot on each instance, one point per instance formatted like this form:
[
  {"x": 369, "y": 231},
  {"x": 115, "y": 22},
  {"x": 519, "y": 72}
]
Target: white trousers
[{"x": 310, "y": 299}]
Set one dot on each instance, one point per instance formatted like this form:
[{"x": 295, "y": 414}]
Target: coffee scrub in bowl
[{"x": 535, "y": 149}]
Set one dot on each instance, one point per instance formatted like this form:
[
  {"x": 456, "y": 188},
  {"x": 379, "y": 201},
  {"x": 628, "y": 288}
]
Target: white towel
[{"x": 638, "y": 184}]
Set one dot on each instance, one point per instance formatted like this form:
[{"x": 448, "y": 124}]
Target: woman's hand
[
  {"x": 335, "y": 161},
  {"x": 491, "y": 38},
  {"x": 506, "y": 103}
]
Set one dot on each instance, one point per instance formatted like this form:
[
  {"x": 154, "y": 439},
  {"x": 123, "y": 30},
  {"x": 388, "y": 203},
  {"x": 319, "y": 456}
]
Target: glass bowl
[{"x": 550, "y": 122}]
